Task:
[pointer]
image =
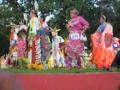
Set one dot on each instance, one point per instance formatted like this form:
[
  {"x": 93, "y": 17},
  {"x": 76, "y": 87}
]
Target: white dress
[{"x": 58, "y": 59}]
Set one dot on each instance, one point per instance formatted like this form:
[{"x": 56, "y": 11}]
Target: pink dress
[
  {"x": 21, "y": 47},
  {"x": 75, "y": 46}
]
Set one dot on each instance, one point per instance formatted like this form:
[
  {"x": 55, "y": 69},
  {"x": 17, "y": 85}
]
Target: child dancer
[{"x": 57, "y": 53}]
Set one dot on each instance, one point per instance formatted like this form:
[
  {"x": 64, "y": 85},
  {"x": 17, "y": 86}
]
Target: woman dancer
[
  {"x": 103, "y": 52},
  {"x": 45, "y": 40},
  {"x": 76, "y": 26}
]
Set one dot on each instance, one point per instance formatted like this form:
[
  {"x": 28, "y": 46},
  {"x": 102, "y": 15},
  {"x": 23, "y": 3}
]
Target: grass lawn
[{"x": 57, "y": 71}]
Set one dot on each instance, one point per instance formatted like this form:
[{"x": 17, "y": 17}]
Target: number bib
[{"x": 75, "y": 36}]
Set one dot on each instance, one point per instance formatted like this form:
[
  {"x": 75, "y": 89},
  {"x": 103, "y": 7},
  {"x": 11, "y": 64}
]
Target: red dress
[{"x": 103, "y": 52}]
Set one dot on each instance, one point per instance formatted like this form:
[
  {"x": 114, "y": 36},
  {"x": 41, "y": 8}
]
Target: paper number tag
[{"x": 75, "y": 36}]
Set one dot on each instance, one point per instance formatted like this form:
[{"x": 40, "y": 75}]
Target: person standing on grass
[
  {"x": 103, "y": 52},
  {"x": 58, "y": 55},
  {"x": 21, "y": 44},
  {"x": 77, "y": 25},
  {"x": 116, "y": 62},
  {"x": 34, "y": 26},
  {"x": 45, "y": 40}
]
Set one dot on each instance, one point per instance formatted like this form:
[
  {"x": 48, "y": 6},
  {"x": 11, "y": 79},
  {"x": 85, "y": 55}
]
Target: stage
[{"x": 97, "y": 81}]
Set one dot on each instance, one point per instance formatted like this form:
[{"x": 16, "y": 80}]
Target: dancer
[
  {"x": 21, "y": 44},
  {"x": 76, "y": 26},
  {"x": 33, "y": 24},
  {"x": 57, "y": 51},
  {"x": 13, "y": 36},
  {"x": 13, "y": 45},
  {"x": 45, "y": 40},
  {"x": 32, "y": 37},
  {"x": 116, "y": 62},
  {"x": 103, "y": 52}
]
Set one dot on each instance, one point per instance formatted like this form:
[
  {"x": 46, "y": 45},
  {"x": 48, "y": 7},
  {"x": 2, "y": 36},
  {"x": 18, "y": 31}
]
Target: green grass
[{"x": 57, "y": 71}]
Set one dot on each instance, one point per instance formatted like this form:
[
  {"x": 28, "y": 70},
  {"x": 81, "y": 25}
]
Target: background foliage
[{"x": 12, "y": 11}]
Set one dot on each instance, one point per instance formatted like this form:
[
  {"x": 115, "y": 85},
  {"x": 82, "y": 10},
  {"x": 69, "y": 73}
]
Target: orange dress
[{"x": 103, "y": 52}]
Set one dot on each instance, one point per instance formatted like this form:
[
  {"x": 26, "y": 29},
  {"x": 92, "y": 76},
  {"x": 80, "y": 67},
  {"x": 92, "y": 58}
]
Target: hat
[{"x": 54, "y": 29}]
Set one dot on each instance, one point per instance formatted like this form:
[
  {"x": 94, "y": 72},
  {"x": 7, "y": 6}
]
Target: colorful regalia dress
[
  {"x": 33, "y": 40},
  {"x": 103, "y": 52},
  {"x": 13, "y": 38},
  {"x": 21, "y": 45},
  {"x": 75, "y": 46},
  {"x": 45, "y": 41},
  {"x": 58, "y": 55}
]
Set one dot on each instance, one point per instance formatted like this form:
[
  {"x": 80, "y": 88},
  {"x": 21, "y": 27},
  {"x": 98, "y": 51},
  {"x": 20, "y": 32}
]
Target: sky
[{"x": 0, "y": 1}]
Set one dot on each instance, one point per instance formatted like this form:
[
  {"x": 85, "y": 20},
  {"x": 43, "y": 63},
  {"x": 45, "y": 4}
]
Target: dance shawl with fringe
[{"x": 103, "y": 52}]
